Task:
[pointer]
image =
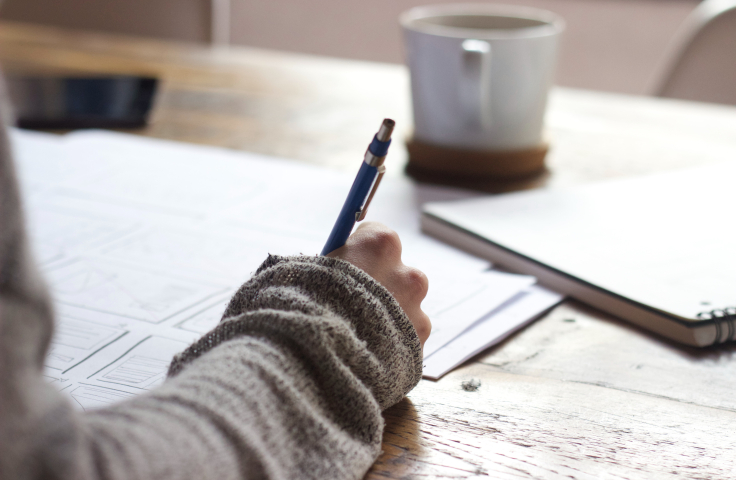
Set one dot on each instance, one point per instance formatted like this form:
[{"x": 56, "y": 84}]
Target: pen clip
[{"x": 360, "y": 214}]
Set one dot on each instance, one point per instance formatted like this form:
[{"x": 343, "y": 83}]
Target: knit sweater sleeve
[{"x": 290, "y": 384}]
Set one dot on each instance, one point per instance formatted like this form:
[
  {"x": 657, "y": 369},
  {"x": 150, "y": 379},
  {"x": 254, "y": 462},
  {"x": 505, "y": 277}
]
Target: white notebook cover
[{"x": 665, "y": 241}]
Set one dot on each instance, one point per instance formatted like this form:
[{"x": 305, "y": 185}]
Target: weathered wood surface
[
  {"x": 576, "y": 395},
  {"x": 308, "y": 108},
  {"x": 318, "y": 109},
  {"x": 535, "y": 427}
]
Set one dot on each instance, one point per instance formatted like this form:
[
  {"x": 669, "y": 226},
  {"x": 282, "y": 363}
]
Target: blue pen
[{"x": 360, "y": 196}]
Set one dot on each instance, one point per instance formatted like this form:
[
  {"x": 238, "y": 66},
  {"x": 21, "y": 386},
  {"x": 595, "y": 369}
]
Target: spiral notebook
[{"x": 658, "y": 250}]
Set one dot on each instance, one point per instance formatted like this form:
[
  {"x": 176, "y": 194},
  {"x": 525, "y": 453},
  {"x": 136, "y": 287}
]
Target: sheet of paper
[
  {"x": 157, "y": 184},
  {"x": 458, "y": 301},
  {"x": 143, "y": 242},
  {"x": 98, "y": 357},
  {"x": 491, "y": 330}
]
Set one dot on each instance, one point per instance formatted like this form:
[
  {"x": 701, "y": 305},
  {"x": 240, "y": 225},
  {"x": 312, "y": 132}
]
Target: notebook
[{"x": 658, "y": 251}]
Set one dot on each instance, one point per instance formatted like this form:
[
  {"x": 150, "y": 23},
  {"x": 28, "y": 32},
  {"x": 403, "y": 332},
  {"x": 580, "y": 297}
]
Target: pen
[{"x": 360, "y": 196}]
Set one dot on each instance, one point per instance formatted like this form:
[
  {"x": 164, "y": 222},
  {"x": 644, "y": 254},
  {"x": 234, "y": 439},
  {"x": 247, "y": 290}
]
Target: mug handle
[{"x": 475, "y": 86}]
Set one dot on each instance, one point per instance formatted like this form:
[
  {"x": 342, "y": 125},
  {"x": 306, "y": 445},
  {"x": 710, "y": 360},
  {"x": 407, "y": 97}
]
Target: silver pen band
[{"x": 373, "y": 160}]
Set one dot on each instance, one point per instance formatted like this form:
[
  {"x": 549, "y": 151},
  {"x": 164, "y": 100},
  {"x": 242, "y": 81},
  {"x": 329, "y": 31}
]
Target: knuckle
[
  {"x": 416, "y": 282},
  {"x": 423, "y": 327},
  {"x": 385, "y": 242}
]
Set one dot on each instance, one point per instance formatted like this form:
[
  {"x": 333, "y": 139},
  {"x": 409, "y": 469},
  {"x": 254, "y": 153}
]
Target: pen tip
[{"x": 387, "y": 127}]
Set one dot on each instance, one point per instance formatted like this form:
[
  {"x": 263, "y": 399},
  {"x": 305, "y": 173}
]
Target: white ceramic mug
[{"x": 480, "y": 73}]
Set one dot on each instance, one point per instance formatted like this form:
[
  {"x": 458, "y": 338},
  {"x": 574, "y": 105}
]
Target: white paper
[
  {"x": 97, "y": 358},
  {"x": 491, "y": 330},
  {"x": 457, "y": 302},
  {"x": 141, "y": 294},
  {"x": 143, "y": 242}
]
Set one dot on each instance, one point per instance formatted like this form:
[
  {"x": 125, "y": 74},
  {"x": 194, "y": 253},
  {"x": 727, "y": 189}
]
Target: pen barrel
[{"x": 346, "y": 220}]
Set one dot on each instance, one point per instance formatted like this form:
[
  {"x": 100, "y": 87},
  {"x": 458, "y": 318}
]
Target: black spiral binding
[{"x": 720, "y": 316}]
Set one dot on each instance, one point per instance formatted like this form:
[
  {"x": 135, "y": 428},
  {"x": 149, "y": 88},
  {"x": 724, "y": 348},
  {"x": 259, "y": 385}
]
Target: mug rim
[{"x": 411, "y": 20}]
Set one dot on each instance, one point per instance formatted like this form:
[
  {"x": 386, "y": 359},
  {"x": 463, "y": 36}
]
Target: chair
[{"x": 701, "y": 64}]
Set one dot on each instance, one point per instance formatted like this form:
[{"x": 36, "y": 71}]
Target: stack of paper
[
  {"x": 143, "y": 242},
  {"x": 517, "y": 312}
]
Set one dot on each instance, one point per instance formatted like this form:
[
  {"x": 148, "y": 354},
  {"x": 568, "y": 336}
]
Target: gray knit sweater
[{"x": 291, "y": 384}]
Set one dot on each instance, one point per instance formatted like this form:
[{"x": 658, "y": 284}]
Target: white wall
[
  {"x": 610, "y": 45},
  {"x": 175, "y": 19}
]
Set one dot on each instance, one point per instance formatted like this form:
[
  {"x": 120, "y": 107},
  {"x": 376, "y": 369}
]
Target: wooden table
[{"x": 578, "y": 394}]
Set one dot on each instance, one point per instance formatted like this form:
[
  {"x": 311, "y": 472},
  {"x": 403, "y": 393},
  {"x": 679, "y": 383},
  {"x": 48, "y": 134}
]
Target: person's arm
[{"x": 291, "y": 384}]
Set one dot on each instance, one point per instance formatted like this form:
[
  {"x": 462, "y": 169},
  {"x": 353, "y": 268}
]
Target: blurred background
[{"x": 610, "y": 45}]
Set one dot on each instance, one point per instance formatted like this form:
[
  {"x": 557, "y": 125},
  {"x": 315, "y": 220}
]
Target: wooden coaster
[{"x": 456, "y": 166}]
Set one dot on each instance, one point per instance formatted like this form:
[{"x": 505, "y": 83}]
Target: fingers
[
  {"x": 413, "y": 286},
  {"x": 378, "y": 240},
  {"x": 376, "y": 249},
  {"x": 416, "y": 282},
  {"x": 422, "y": 324},
  {"x": 410, "y": 284}
]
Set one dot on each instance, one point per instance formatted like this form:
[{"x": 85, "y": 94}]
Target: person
[{"x": 290, "y": 384}]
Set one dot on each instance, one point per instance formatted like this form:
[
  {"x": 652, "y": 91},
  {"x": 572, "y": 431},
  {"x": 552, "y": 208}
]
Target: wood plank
[
  {"x": 628, "y": 403},
  {"x": 576, "y": 343},
  {"x": 313, "y": 109},
  {"x": 318, "y": 109},
  {"x": 517, "y": 426}
]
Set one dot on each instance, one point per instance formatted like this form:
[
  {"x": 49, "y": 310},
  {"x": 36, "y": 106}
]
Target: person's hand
[{"x": 376, "y": 249}]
